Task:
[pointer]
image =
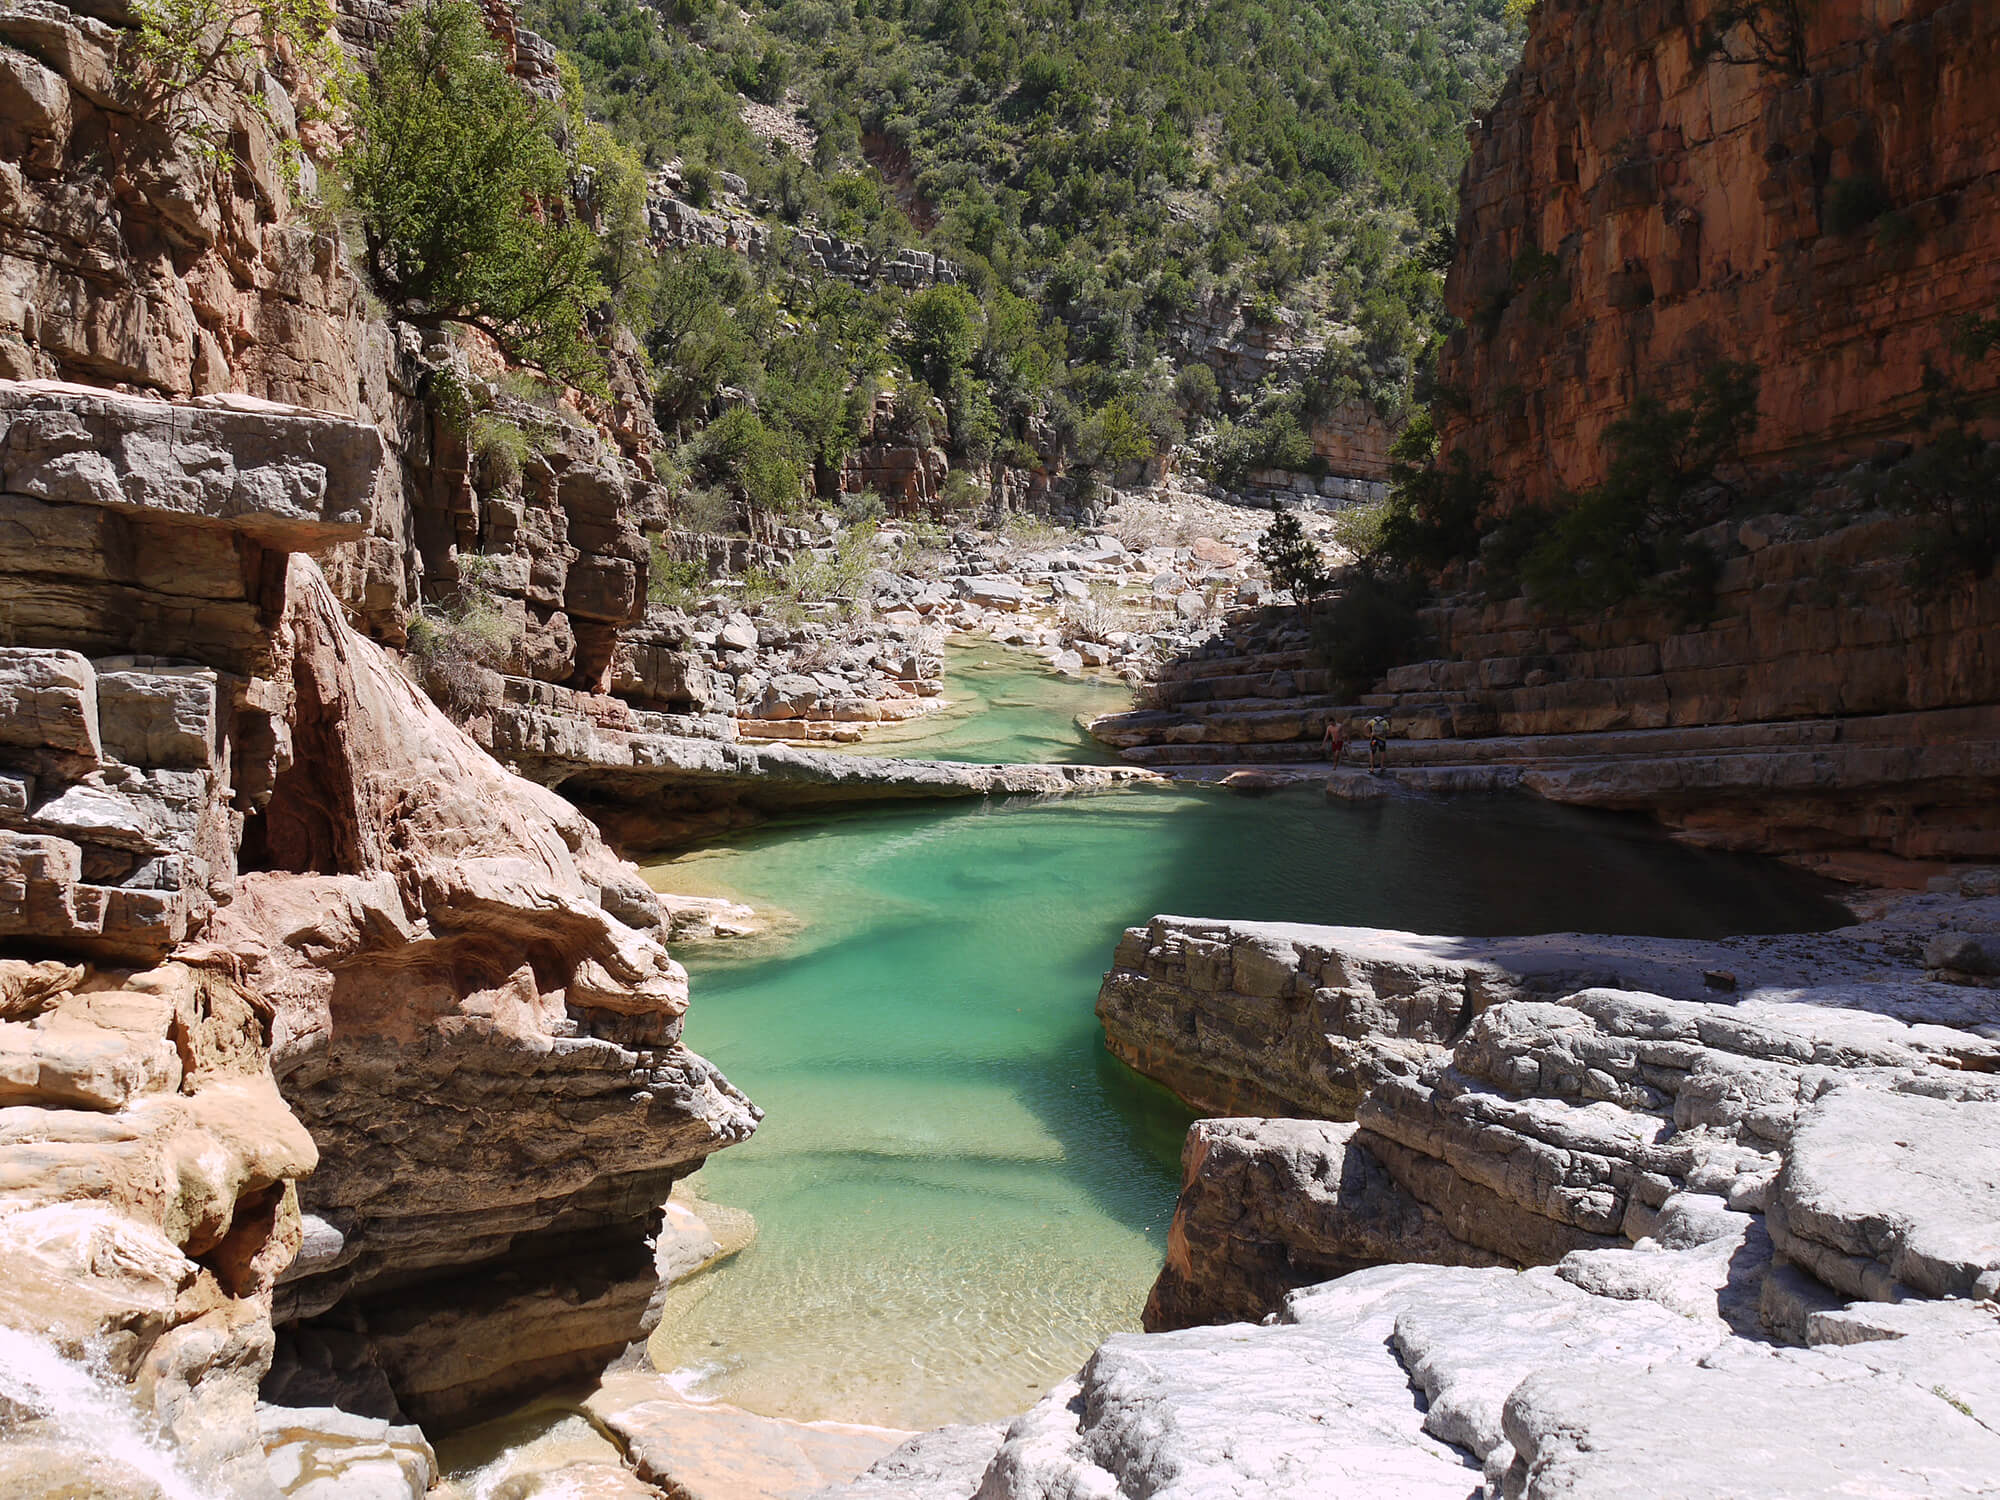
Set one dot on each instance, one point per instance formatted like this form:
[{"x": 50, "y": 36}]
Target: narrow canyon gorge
[{"x": 396, "y": 705}]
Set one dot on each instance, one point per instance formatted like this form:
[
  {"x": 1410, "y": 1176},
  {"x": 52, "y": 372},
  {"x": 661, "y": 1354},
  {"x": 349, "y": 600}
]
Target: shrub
[
  {"x": 943, "y": 332},
  {"x": 839, "y": 576},
  {"x": 1041, "y": 76},
  {"x": 1196, "y": 389},
  {"x": 1435, "y": 510},
  {"x": 1264, "y": 310},
  {"x": 1370, "y": 626},
  {"x": 1631, "y": 531},
  {"x": 674, "y": 580},
  {"x": 1358, "y": 528},
  {"x": 499, "y": 450},
  {"x": 1029, "y": 530},
  {"x": 462, "y": 190},
  {"x": 1273, "y": 440},
  {"x": 455, "y": 649},
  {"x": 1115, "y": 436},
  {"x": 860, "y": 506},
  {"x": 181, "y": 46},
  {"x": 707, "y": 510},
  {"x": 961, "y": 493},
  {"x": 738, "y": 449},
  {"x": 1951, "y": 484}
]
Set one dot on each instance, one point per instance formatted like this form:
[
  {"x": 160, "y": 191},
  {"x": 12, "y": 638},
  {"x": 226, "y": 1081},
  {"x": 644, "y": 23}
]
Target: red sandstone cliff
[{"x": 1700, "y": 210}]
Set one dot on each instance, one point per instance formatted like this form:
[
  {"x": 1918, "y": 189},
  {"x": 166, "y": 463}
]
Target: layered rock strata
[
  {"x": 479, "y": 1022},
  {"x": 1447, "y": 1383},
  {"x": 1822, "y": 205},
  {"x": 1825, "y": 707},
  {"x": 649, "y": 784},
  {"x": 318, "y": 926},
  {"x": 1764, "y": 1219},
  {"x": 1812, "y": 191}
]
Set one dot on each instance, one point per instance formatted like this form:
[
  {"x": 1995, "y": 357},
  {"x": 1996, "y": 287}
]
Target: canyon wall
[
  {"x": 314, "y": 1015},
  {"x": 1634, "y": 212}
]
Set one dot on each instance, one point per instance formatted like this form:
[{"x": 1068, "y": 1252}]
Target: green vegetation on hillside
[
  {"x": 462, "y": 186},
  {"x": 1102, "y": 175},
  {"x": 1112, "y": 185}
]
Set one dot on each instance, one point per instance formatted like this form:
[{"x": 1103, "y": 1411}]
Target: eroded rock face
[
  {"x": 147, "y": 1206},
  {"x": 1526, "y": 1099},
  {"x": 1268, "y": 1206},
  {"x": 649, "y": 782},
  {"x": 126, "y": 254},
  {"x": 1632, "y": 213},
  {"x": 477, "y": 1018},
  {"x": 1824, "y": 706},
  {"x": 323, "y": 928}
]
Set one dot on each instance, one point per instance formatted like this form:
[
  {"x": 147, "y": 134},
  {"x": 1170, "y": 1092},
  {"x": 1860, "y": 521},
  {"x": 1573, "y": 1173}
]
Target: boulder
[
  {"x": 1964, "y": 953},
  {"x": 1318, "y": 1406},
  {"x": 1816, "y": 1426},
  {"x": 943, "y": 1464},
  {"x": 1885, "y": 1194},
  {"x": 1269, "y": 1206},
  {"x": 323, "y": 1453},
  {"x": 993, "y": 592},
  {"x": 48, "y": 700}
]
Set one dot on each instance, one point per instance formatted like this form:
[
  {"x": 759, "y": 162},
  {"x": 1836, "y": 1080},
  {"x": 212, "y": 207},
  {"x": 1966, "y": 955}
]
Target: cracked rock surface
[{"x": 1551, "y": 1218}]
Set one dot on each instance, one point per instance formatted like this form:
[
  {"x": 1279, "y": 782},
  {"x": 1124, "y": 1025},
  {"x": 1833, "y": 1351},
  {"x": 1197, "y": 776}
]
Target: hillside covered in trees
[{"x": 1102, "y": 178}]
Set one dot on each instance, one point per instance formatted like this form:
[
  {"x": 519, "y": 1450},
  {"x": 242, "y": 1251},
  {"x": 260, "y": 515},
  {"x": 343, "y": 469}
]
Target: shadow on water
[{"x": 958, "y": 1188}]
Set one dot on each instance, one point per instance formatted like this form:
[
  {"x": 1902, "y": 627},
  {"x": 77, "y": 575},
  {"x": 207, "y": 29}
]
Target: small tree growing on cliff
[
  {"x": 1760, "y": 33},
  {"x": 463, "y": 193},
  {"x": 1291, "y": 559},
  {"x": 1631, "y": 532},
  {"x": 1951, "y": 484},
  {"x": 181, "y": 50}
]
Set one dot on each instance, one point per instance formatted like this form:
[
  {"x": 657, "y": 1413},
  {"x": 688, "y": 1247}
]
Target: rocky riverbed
[{"x": 1150, "y": 583}]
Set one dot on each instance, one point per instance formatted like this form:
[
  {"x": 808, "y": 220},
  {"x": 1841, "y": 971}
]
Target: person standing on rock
[
  {"x": 1378, "y": 744},
  {"x": 1334, "y": 742}
]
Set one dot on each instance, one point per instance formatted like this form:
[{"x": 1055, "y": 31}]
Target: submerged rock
[{"x": 712, "y": 1451}]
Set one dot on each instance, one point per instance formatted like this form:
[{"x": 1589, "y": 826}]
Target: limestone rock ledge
[
  {"x": 264, "y": 909},
  {"x": 1601, "y": 1217},
  {"x": 652, "y": 780},
  {"x": 1438, "y": 1383}
]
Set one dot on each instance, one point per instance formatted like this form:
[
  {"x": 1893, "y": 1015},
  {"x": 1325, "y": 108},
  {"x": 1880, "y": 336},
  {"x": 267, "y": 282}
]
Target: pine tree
[{"x": 1291, "y": 560}]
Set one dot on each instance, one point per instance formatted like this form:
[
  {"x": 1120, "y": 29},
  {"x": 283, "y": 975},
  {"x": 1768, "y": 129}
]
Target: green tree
[
  {"x": 740, "y": 450},
  {"x": 1435, "y": 510},
  {"x": 464, "y": 195},
  {"x": 1291, "y": 560},
  {"x": 1950, "y": 485},
  {"x": 1620, "y": 536},
  {"x": 1116, "y": 436},
  {"x": 943, "y": 324}
]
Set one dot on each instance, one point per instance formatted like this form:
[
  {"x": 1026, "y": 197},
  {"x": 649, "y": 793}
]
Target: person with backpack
[{"x": 1378, "y": 744}]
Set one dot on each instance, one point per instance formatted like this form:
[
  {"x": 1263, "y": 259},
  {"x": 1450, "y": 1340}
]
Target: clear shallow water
[
  {"x": 1005, "y": 706},
  {"x": 958, "y": 1191}
]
